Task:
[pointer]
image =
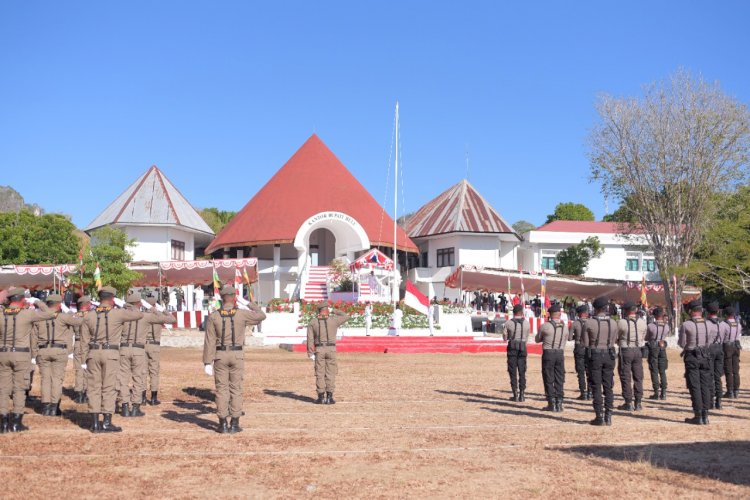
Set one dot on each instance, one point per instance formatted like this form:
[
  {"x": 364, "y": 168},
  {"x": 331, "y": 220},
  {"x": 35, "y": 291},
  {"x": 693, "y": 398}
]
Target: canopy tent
[
  {"x": 516, "y": 282},
  {"x": 193, "y": 272},
  {"x": 372, "y": 259},
  {"x": 33, "y": 277}
]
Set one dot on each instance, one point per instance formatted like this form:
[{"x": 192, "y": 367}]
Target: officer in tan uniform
[
  {"x": 223, "y": 355},
  {"x": 321, "y": 348},
  {"x": 101, "y": 338},
  {"x": 84, "y": 306},
  {"x": 17, "y": 349},
  {"x": 599, "y": 337},
  {"x": 553, "y": 335},
  {"x": 631, "y": 339},
  {"x": 153, "y": 351},
  {"x": 54, "y": 339}
]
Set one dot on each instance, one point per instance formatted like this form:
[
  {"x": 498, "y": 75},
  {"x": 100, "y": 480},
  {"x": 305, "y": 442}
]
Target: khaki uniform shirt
[
  {"x": 553, "y": 334},
  {"x": 59, "y": 330},
  {"x": 138, "y": 332},
  {"x": 226, "y": 327},
  {"x": 17, "y": 326},
  {"x": 600, "y": 332},
  {"x": 516, "y": 329},
  {"x": 104, "y": 325},
  {"x": 632, "y": 332},
  {"x": 323, "y": 331}
]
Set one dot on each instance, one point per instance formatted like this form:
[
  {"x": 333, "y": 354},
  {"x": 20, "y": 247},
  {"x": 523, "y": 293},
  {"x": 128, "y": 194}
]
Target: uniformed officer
[
  {"x": 132, "y": 361},
  {"x": 516, "y": 332},
  {"x": 553, "y": 335},
  {"x": 656, "y": 335},
  {"x": 321, "y": 348},
  {"x": 732, "y": 349},
  {"x": 631, "y": 338},
  {"x": 17, "y": 348},
  {"x": 84, "y": 306},
  {"x": 695, "y": 338},
  {"x": 101, "y": 338},
  {"x": 54, "y": 339},
  {"x": 223, "y": 356},
  {"x": 153, "y": 349},
  {"x": 579, "y": 353},
  {"x": 599, "y": 337},
  {"x": 716, "y": 350}
]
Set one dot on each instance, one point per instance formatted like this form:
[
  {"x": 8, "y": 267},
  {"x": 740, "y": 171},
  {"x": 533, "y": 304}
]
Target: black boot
[
  {"x": 728, "y": 395},
  {"x": 95, "y": 427},
  {"x": 125, "y": 410},
  {"x": 108, "y": 426},
  {"x": 582, "y": 397},
  {"x": 234, "y": 426},
  {"x": 329, "y": 399},
  {"x": 550, "y": 405},
  {"x": 223, "y": 427},
  {"x": 16, "y": 423},
  {"x": 717, "y": 404},
  {"x": 46, "y": 409},
  {"x": 696, "y": 420},
  {"x": 655, "y": 395},
  {"x": 143, "y": 398},
  {"x": 704, "y": 417},
  {"x": 559, "y": 405},
  {"x": 627, "y": 406},
  {"x": 117, "y": 407},
  {"x": 663, "y": 394},
  {"x": 154, "y": 401},
  {"x": 598, "y": 421},
  {"x": 522, "y": 395},
  {"x": 135, "y": 411},
  {"x": 4, "y": 423},
  {"x": 321, "y": 399},
  {"x": 638, "y": 405},
  {"x": 608, "y": 417},
  {"x": 515, "y": 396},
  {"x": 56, "y": 411},
  {"x": 588, "y": 395},
  {"x": 80, "y": 397},
  {"x": 736, "y": 394}
]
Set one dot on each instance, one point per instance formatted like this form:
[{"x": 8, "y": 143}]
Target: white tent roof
[{"x": 152, "y": 200}]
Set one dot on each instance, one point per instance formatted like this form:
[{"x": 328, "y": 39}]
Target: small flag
[
  {"x": 238, "y": 281},
  {"x": 644, "y": 300},
  {"x": 249, "y": 285},
  {"x": 217, "y": 283},
  {"x": 416, "y": 299},
  {"x": 544, "y": 293},
  {"x": 98, "y": 277}
]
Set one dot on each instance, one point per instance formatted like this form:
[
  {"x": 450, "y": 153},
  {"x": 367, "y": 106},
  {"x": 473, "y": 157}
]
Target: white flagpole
[{"x": 395, "y": 219}]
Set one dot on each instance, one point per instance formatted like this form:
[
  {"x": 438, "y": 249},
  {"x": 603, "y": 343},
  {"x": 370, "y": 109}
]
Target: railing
[{"x": 298, "y": 293}]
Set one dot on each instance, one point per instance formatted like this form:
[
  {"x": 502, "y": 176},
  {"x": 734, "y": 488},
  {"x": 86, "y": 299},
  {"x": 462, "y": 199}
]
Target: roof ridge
[
  {"x": 132, "y": 195},
  {"x": 160, "y": 176}
]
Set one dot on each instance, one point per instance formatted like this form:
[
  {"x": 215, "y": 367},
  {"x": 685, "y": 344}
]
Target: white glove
[
  {"x": 95, "y": 303},
  {"x": 209, "y": 369},
  {"x": 84, "y": 366},
  {"x": 33, "y": 361},
  {"x": 119, "y": 302},
  {"x": 241, "y": 300},
  {"x": 70, "y": 356},
  {"x": 145, "y": 304},
  {"x": 312, "y": 357},
  {"x": 242, "y": 306},
  {"x": 159, "y": 307},
  {"x": 32, "y": 300},
  {"x": 65, "y": 308}
]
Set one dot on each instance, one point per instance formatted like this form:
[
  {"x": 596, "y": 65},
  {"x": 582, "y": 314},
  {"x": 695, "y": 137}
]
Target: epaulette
[
  {"x": 226, "y": 313},
  {"x": 102, "y": 309}
]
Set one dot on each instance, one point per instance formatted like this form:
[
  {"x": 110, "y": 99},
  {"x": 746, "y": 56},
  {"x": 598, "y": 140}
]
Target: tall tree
[
  {"x": 623, "y": 213},
  {"x": 570, "y": 211},
  {"x": 523, "y": 226},
  {"x": 26, "y": 238},
  {"x": 669, "y": 152},
  {"x": 110, "y": 248},
  {"x": 575, "y": 259},
  {"x": 216, "y": 219}
]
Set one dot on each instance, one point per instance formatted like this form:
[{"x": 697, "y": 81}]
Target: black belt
[
  {"x": 599, "y": 349},
  {"x": 15, "y": 349},
  {"x": 103, "y": 346},
  {"x": 326, "y": 344},
  {"x": 53, "y": 346},
  {"x": 630, "y": 347},
  {"x": 153, "y": 342},
  {"x": 229, "y": 348},
  {"x": 138, "y": 346}
]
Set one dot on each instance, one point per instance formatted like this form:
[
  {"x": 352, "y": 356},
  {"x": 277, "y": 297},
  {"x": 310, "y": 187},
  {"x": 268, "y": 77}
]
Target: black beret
[
  {"x": 517, "y": 308},
  {"x": 582, "y": 309},
  {"x": 695, "y": 304},
  {"x": 658, "y": 312},
  {"x": 601, "y": 303},
  {"x": 729, "y": 311},
  {"x": 629, "y": 306},
  {"x": 555, "y": 308},
  {"x": 713, "y": 307}
]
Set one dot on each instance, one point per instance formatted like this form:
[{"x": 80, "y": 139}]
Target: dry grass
[{"x": 416, "y": 425}]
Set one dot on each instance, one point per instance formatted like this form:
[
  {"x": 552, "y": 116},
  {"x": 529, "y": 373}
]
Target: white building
[
  {"x": 624, "y": 257},
  {"x": 456, "y": 228}
]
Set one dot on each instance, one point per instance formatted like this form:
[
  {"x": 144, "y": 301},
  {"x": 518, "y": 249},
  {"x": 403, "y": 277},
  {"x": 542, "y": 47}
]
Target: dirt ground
[{"x": 405, "y": 425}]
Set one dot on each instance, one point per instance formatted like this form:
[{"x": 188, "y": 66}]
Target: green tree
[
  {"x": 523, "y": 226},
  {"x": 216, "y": 219},
  {"x": 623, "y": 214},
  {"x": 570, "y": 211},
  {"x": 26, "y": 238},
  {"x": 575, "y": 259},
  {"x": 110, "y": 249}
]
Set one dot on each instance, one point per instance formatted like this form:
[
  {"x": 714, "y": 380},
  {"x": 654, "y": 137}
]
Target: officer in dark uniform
[
  {"x": 716, "y": 349},
  {"x": 732, "y": 349},
  {"x": 553, "y": 335},
  {"x": 695, "y": 338},
  {"x": 579, "y": 353},
  {"x": 599, "y": 337},
  {"x": 516, "y": 332},
  {"x": 656, "y": 336},
  {"x": 631, "y": 338}
]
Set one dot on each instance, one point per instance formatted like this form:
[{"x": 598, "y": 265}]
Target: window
[
  {"x": 425, "y": 262},
  {"x": 649, "y": 263},
  {"x": 549, "y": 260},
  {"x": 632, "y": 261},
  {"x": 445, "y": 257},
  {"x": 178, "y": 250}
]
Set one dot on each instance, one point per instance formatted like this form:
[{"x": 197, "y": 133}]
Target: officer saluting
[
  {"x": 321, "y": 348},
  {"x": 16, "y": 349},
  {"x": 695, "y": 338},
  {"x": 84, "y": 306},
  {"x": 223, "y": 356},
  {"x": 152, "y": 366},
  {"x": 579, "y": 353},
  {"x": 100, "y": 339},
  {"x": 631, "y": 338},
  {"x": 54, "y": 339},
  {"x": 553, "y": 335},
  {"x": 716, "y": 349},
  {"x": 516, "y": 332},
  {"x": 732, "y": 349},
  {"x": 599, "y": 338},
  {"x": 657, "y": 354}
]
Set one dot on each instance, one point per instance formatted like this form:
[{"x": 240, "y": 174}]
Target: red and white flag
[
  {"x": 238, "y": 281},
  {"x": 416, "y": 299}
]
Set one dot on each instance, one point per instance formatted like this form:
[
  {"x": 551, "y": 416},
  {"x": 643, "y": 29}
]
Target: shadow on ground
[{"x": 288, "y": 395}]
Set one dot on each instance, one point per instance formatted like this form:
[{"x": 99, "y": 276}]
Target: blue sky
[{"x": 220, "y": 94}]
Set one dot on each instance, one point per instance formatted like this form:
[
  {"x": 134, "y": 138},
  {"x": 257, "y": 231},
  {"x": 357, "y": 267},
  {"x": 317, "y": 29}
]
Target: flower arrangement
[
  {"x": 381, "y": 314},
  {"x": 340, "y": 277},
  {"x": 279, "y": 305}
]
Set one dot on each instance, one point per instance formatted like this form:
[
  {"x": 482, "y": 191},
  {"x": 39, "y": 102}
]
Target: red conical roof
[{"x": 312, "y": 181}]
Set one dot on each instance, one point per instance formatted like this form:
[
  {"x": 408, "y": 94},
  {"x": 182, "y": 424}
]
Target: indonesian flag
[
  {"x": 238, "y": 281},
  {"x": 416, "y": 299}
]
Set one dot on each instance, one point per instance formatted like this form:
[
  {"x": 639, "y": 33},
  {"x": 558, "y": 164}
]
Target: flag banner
[
  {"x": 644, "y": 300},
  {"x": 98, "y": 277},
  {"x": 249, "y": 285},
  {"x": 416, "y": 299},
  {"x": 238, "y": 281},
  {"x": 544, "y": 294}
]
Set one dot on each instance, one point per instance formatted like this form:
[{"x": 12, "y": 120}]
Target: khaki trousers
[
  {"x": 325, "y": 369},
  {"x": 102, "y": 366},
  {"x": 52, "y": 363},
  {"x": 153, "y": 355},
  {"x": 15, "y": 372},
  {"x": 229, "y": 372},
  {"x": 131, "y": 374},
  {"x": 80, "y": 373}
]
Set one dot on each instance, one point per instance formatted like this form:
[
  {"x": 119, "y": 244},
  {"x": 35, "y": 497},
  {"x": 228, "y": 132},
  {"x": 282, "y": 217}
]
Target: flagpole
[{"x": 395, "y": 294}]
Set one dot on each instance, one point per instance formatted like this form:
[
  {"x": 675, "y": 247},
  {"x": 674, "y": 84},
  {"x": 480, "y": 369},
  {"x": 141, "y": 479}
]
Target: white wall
[{"x": 154, "y": 244}]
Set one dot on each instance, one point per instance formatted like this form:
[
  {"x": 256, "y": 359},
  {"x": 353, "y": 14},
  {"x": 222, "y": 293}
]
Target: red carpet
[{"x": 417, "y": 345}]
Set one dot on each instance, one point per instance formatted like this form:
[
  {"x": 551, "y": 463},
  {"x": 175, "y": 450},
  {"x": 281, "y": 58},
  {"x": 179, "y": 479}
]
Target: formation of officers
[{"x": 711, "y": 349}]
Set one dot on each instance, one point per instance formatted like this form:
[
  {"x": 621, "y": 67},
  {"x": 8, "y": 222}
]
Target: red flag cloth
[{"x": 416, "y": 299}]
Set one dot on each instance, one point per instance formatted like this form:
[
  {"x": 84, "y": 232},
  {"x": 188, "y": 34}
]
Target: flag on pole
[
  {"x": 544, "y": 294},
  {"x": 249, "y": 285},
  {"x": 98, "y": 277},
  {"x": 523, "y": 288},
  {"x": 238, "y": 281},
  {"x": 644, "y": 300},
  {"x": 217, "y": 283},
  {"x": 416, "y": 299},
  {"x": 509, "y": 292}
]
